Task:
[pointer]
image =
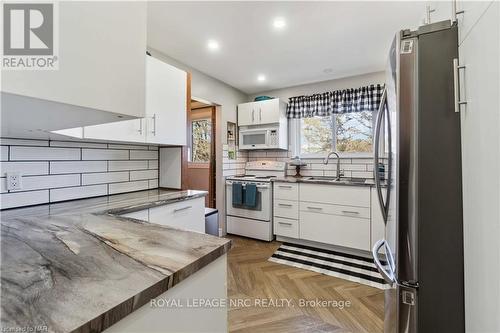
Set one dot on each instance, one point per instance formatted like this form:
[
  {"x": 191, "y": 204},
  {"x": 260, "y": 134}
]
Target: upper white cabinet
[
  {"x": 271, "y": 111},
  {"x": 472, "y": 11},
  {"x": 101, "y": 71},
  {"x": 479, "y": 52},
  {"x": 126, "y": 130},
  {"x": 166, "y": 103}
]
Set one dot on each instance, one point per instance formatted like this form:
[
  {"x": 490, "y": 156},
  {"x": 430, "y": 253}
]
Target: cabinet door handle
[
  {"x": 260, "y": 115},
  {"x": 349, "y": 212},
  {"x": 284, "y": 186},
  {"x": 253, "y": 115},
  {"x": 140, "y": 127},
  {"x": 153, "y": 131},
  {"x": 285, "y": 223},
  {"x": 284, "y": 205},
  {"x": 314, "y": 208},
  {"x": 456, "y": 84},
  {"x": 181, "y": 209}
]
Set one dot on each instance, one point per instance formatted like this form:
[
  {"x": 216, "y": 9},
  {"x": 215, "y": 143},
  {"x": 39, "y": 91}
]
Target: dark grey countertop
[
  {"x": 305, "y": 179},
  {"x": 77, "y": 267}
]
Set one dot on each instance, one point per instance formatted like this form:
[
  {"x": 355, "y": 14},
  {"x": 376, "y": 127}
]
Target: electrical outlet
[{"x": 14, "y": 181}]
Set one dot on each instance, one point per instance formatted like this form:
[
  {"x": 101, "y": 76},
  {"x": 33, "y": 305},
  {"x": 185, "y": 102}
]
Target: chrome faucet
[{"x": 325, "y": 161}]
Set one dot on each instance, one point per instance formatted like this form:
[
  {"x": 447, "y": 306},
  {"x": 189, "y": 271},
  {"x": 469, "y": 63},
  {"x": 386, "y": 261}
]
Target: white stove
[{"x": 253, "y": 221}]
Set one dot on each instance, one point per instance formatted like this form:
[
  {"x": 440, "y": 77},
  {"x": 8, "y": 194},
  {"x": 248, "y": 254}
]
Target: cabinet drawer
[
  {"x": 286, "y": 191},
  {"x": 286, "y": 208},
  {"x": 187, "y": 215},
  {"x": 335, "y": 229},
  {"x": 336, "y": 194},
  {"x": 286, "y": 227},
  {"x": 351, "y": 211}
]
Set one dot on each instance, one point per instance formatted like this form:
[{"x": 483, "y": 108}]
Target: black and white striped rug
[{"x": 334, "y": 263}]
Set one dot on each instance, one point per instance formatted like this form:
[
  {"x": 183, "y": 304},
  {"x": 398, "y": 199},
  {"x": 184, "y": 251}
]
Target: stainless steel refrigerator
[{"x": 417, "y": 137}]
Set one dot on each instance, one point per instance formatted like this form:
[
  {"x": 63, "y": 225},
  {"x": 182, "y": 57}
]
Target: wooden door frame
[{"x": 185, "y": 149}]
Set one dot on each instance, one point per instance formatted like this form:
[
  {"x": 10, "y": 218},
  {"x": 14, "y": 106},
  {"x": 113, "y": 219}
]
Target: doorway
[{"x": 200, "y": 171}]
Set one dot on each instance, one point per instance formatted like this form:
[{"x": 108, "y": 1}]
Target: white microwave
[{"x": 262, "y": 138}]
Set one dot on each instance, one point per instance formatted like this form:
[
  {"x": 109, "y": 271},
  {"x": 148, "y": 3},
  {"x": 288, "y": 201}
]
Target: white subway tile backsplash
[
  {"x": 45, "y": 182},
  {"x": 144, "y": 174},
  {"x": 25, "y": 168},
  {"x": 78, "y": 144},
  {"x": 104, "y": 177},
  {"x": 23, "y": 142},
  {"x": 18, "y": 153},
  {"x": 127, "y": 165},
  {"x": 128, "y": 187},
  {"x": 118, "y": 146},
  {"x": 153, "y": 183},
  {"x": 104, "y": 154},
  {"x": 4, "y": 156},
  {"x": 353, "y": 167},
  {"x": 70, "y": 193},
  {"x": 153, "y": 164},
  {"x": 143, "y": 155},
  {"x": 19, "y": 199},
  {"x": 78, "y": 167},
  {"x": 361, "y": 174},
  {"x": 65, "y": 170}
]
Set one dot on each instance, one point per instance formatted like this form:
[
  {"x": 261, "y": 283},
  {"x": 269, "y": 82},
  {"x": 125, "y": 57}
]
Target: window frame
[
  {"x": 191, "y": 146},
  {"x": 295, "y": 134}
]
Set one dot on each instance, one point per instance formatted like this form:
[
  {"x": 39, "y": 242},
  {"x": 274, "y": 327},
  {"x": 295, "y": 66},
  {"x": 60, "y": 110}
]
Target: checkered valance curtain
[{"x": 338, "y": 101}]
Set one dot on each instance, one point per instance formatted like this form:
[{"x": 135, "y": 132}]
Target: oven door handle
[{"x": 244, "y": 185}]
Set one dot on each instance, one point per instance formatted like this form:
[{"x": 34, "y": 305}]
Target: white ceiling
[{"x": 348, "y": 38}]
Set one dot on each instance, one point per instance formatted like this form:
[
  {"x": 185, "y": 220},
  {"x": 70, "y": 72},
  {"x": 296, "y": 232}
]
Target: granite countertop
[
  {"x": 326, "y": 181},
  {"x": 78, "y": 267}
]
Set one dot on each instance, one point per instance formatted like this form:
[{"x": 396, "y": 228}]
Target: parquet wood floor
[{"x": 251, "y": 277}]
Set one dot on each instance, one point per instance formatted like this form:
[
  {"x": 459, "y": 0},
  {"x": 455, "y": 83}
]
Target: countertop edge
[
  {"x": 120, "y": 311},
  {"x": 294, "y": 180},
  {"x": 162, "y": 202}
]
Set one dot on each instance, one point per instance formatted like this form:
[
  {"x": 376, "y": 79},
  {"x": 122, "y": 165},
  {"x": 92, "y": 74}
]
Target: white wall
[
  {"x": 324, "y": 86},
  {"x": 227, "y": 98}
]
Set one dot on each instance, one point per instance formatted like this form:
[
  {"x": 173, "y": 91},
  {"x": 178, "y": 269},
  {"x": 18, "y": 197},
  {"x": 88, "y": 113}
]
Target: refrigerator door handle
[
  {"x": 378, "y": 126},
  {"x": 387, "y": 275}
]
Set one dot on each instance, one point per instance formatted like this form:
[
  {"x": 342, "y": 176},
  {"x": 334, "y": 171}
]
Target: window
[
  {"x": 343, "y": 132},
  {"x": 201, "y": 131}
]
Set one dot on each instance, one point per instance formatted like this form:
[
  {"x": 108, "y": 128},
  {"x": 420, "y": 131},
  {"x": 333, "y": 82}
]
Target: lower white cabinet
[
  {"x": 330, "y": 214},
  {"x": 286, "y": 227},
  {"x": 335, "y": 229},
  {"x": 287, "y": 209},
  {"x": 187, "y": 215}
]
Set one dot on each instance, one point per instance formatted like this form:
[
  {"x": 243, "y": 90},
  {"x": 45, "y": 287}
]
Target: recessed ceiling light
[
  {"x": 279, "y": 23},
  {"x": 328, "y": 70},
  {"x": 213, "y": 45},
  {"x": 261, "y": 78}
]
